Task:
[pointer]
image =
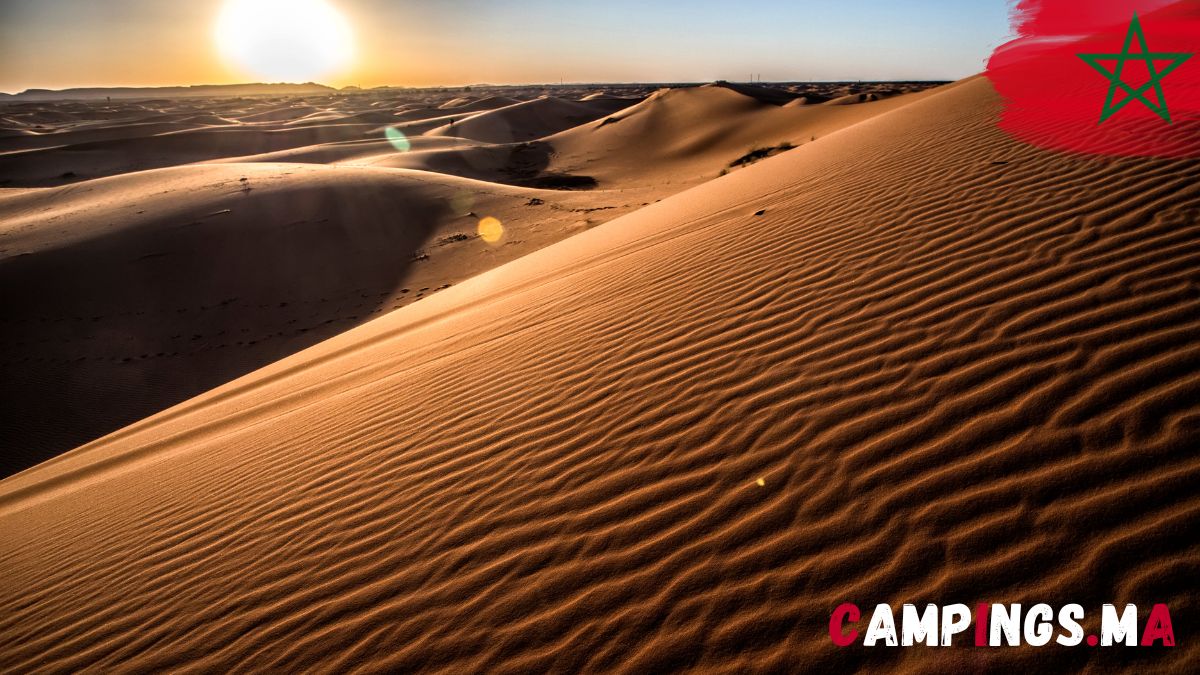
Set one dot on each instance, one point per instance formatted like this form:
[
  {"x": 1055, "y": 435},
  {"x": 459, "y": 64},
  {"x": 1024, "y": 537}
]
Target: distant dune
[
  {"x": 912, "y": 360},
  {"x": 528, "y": 120},
  {"x": 199, "y": 90}
]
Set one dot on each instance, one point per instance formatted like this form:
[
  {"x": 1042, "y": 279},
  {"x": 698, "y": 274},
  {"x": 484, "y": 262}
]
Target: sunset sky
[{"x": 67, "y": 43}]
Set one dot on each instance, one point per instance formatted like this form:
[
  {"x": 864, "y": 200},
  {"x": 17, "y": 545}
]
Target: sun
[{"x": 284, "y": 40}]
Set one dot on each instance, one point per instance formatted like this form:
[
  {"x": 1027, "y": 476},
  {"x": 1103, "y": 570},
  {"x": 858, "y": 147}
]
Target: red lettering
[
  {"x": 843, "y": 612},
  {"x": 1158, "y": 627},
  {"x": 982, "y": 610}
]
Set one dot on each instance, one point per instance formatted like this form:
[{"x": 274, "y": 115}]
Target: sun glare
[{"x": 284, "y": 40}]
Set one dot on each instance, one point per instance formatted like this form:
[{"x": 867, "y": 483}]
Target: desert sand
[
  {"x": 165, "y": 247},
  {"x": 674, "y": 424}
]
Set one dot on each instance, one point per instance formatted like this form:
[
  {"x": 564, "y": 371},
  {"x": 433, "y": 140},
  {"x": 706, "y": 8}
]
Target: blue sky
[
  {"x": 707, "y": 39},
  {"x": 60, "y": 43}
]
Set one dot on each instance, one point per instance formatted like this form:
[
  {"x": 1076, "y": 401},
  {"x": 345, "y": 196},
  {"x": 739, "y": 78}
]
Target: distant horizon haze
[{"x": 318, "y": 86}]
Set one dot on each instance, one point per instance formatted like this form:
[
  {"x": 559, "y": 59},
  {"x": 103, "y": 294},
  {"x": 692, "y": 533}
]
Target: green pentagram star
[{"x": 1114, "y": 77}]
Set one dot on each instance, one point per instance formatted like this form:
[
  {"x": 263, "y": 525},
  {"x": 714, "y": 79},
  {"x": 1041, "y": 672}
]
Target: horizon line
[{"x": 358, "y": 88}]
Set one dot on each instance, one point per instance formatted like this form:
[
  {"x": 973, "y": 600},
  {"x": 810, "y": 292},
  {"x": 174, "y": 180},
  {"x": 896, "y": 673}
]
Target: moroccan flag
[{"x": 1115, "y": 77}]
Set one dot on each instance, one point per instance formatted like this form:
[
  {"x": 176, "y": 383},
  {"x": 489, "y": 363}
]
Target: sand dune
[
  {"x": 204, "y": 91},
  {"x": 372, "y": 150},
  {"x": 137, "y": 137},
  {"x": 687, "y": 136},
  {"x": 92, "y": 353},
  {"x": 529, "y": 120},
  {"x": 98, "y": 159},
  {"x": 761, "y": 94},
  {"x": 673, "y": 140},
  {"x": 468, "y": 104},
  {"x": 140, "y": 128},
  {"x": 281, "y": 114},
  {"x": 692, "y": 134},
  {"x": 913, "y": 360},
  {"x": 139, "y": 291}
]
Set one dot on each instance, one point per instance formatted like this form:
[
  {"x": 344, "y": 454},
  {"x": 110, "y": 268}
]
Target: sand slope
[
  {"x": 103, "y": 158},
  {"x": 687, "y": 136},
  {"x": 528, "y": 120},
  {"x": 129, "y": 294},
  {"x": 964, "y": 370}
]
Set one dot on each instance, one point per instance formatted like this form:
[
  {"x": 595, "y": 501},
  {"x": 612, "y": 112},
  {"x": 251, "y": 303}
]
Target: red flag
[{"x": 1116, "y": 77}]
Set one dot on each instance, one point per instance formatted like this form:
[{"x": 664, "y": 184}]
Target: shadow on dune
[
  {"x": 101, "y": 333},
  {"x": 520, "y": 164},
  {"x": 79, "y": 161},
  {"x": 527, "y": 163}
]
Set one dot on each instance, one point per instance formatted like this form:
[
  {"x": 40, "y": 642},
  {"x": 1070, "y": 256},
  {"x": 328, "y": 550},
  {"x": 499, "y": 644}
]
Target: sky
[{"x": 57, "y": 44}]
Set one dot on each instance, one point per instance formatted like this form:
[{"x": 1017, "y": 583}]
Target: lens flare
[
  {"x": 397, "y": 138},
  {"x": 491, "y": 230},
  {"x": 462, "y": 202}
]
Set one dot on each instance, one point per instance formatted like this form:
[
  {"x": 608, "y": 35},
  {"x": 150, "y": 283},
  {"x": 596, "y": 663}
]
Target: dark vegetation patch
[
  {"x": 756, "y": 154},
  {"x": 454, "y": 238},
  {"x": 558, "y": 181}
]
